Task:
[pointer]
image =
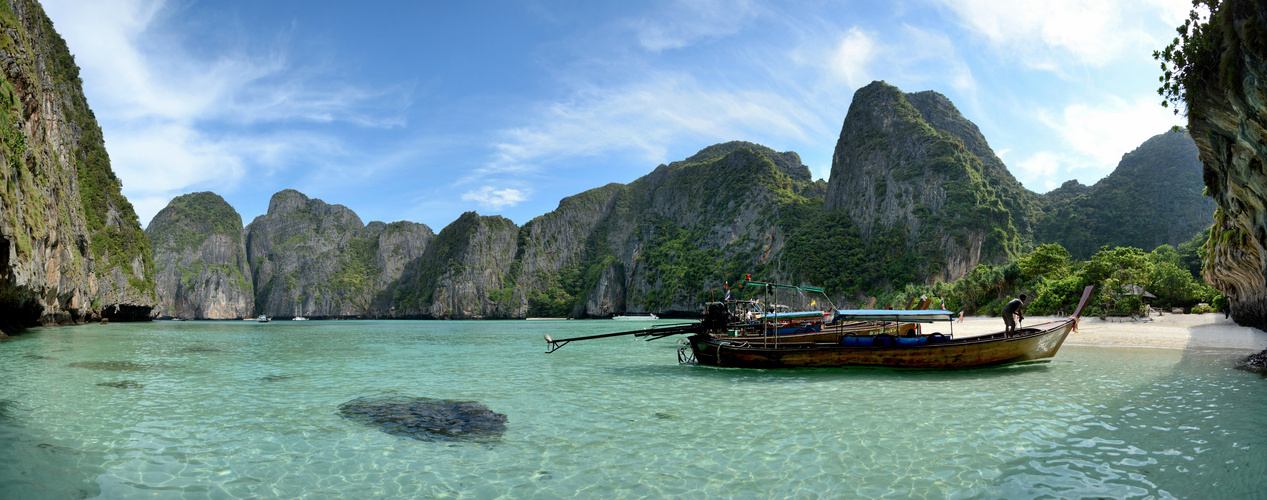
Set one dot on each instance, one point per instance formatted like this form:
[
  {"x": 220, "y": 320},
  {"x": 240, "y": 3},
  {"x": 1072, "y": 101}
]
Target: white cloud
[
  {"x": 686, "y": 22},
  {"x": 161, "y": 105},
  {"x": 1093, "y": 138},
  {"x": 646, "y": 117},
  {"x": 1044, "y": 166},
  {"x": 852, "y": 55},
  {"x": 496, "y": 199},
  {"x": 1103, "y": 132},
  {"x": 1092, "y": 32}
]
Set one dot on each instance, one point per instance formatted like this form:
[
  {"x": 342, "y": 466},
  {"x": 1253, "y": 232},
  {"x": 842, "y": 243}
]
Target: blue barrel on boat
[
  {"x": 937, "y": 338},
  {"x": 884, "y": 340},
  {"x": 911, "y": 340},
  {"x": 856, "y": 340}
]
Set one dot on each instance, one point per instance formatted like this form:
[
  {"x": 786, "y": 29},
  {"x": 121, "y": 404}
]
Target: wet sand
[{"x": 1169, "y": 331}]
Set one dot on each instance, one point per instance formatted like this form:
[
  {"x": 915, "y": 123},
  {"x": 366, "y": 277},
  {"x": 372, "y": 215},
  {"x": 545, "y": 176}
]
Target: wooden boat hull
[
  {"x": 828, "y": 334},
  {"x": 1031, "y": 343}
]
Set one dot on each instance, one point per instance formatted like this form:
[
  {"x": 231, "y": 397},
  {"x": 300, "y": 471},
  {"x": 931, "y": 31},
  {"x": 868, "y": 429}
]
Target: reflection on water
[{"x": 240, "y": 409}]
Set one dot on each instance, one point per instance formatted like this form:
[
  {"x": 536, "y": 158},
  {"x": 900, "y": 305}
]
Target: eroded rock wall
[
  {"x": 310, "y": 258},
  {"x": 1228, "y": 119},
  {"x": 200, "y": 257},
  {"x": 71, "y": 248}
]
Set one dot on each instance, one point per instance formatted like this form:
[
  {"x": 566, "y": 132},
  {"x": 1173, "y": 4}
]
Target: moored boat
[
  {"x": 709, "y": 344},
  {"x": 636, "y": 317},
  {"x": 262, "y": 319}
]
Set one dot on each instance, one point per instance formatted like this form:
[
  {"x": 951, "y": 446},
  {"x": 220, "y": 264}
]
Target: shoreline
[{"x": 1165, "y": 331}]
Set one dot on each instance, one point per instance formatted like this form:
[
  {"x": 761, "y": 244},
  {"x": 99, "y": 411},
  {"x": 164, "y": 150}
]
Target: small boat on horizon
[
  {"x": 635, "y": 317},
  {"x": 299, "y": 318},
  {"x": 262, "y": 319}
]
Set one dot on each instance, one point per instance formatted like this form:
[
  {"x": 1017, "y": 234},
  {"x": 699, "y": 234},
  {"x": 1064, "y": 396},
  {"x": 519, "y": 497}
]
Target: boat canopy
[
  {"x": 905, "y": 316},
  {"x": 792, "y": 315}
]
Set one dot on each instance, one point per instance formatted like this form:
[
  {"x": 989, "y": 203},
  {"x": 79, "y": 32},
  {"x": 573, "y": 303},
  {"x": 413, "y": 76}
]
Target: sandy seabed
[{"x": 1169, "y": 331}]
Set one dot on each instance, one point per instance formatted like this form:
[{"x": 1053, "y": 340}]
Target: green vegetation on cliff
[
  {"x": 1152, "y": 198},
  {"x": 189, "y": 219},
  {"x": 42, "y": 63}
]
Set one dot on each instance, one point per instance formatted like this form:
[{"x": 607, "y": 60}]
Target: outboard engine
[{"x": 716, "y": 318}]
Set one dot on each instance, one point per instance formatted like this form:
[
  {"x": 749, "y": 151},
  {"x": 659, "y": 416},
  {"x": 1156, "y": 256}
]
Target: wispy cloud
[
  {"x": 682, "y": 23},
  {"x": 852, "y": 56},
  {"x": 496, "y": 199},
  {"x": 1093, "y": 137},
  {"x": 644, "y": 118},
  {"x": 1044, "y": 33},
  {"x": 164, "y": 106}
]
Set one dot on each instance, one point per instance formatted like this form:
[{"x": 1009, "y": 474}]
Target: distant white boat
[
  {"x": 263, "y": 319},
  {"x": 299, "y": 318},
  {"x": 636, "y": 317}
]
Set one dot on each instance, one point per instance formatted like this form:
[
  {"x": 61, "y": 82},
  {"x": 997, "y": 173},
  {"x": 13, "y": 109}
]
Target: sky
[{"x": 423, "y": 110}]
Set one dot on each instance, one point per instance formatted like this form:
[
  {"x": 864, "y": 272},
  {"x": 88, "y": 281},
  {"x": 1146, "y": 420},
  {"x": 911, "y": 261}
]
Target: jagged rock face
[
  {"x": 463, "y": 274},
  {"x": 1228, "y": 120},
  {"x": 557, "y": 241},
  {"x": 912, "y": 163},
  {"x": 650, "y": 246},
  {"x": 200, "y": 259},
  {"x": 71, "y": 247},
  {"x": 1152, "y": 198},
  {"x": 689, "y": 226},
  {"x": 309, "y": 258},
  {"x": 1233, "y": 263}
]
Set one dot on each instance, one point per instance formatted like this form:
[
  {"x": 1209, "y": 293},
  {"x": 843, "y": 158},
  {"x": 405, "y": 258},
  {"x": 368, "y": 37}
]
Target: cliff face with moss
[
  {"x": 71, "y": 248},
  {"x": 310, "y": 258},
  {"x": 1227, "y": 114},
  {"x": 461, "y": 274},
  {"x": 200, "y": 259},
  {"x": 912, "y": 166},
  {"x": 659, "y": 244}
]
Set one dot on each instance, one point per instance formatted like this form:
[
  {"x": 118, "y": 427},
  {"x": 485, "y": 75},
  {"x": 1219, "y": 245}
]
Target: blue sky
[{"x": 423, "y": 110}]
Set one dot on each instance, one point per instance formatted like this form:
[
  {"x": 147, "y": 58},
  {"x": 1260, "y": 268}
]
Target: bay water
[{"x": 250, "y": 410}]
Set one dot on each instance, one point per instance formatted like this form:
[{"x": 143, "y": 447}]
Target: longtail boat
[{"x": 708, "y": 344}]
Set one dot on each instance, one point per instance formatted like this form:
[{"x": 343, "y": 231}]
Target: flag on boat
[{"x": 727, "y": 295}]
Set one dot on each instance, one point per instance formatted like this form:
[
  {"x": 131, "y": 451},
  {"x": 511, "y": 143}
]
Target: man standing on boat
[{"x": 1012, "y": 314}]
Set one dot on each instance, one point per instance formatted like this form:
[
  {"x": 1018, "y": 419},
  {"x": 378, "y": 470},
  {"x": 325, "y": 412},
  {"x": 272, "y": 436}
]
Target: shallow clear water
[{"x": 238, "y": 409}]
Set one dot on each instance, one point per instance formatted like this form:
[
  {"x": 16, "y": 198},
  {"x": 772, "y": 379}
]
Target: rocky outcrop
[
  {"x": 310, "y": 258},
  {"x": 911, "y": 164},
  {"x": 1153, "y": 197},
  {"x": 553, "y": 246},
  {"x": 200, "y": 259},
  {"x": 463, "y": 274},
  {"x": 1227, "y": 115},
  {"x": 658, "y": 244},
  {"x": 71, "y": 248}
]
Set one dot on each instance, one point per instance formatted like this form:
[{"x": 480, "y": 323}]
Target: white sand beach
[{"x": 1169, "y": 331}]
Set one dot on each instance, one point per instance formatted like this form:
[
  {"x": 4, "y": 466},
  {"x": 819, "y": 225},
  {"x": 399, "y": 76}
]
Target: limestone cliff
[
  {"x": 200, "y": 259},
  {"x": 1152, "y": 198},
  {"x": 463, "y": 273},
  {"x": 310, "y": 258},
  {"x": 71, "y": 248},
  {"x": 911, "y": 163},
  {"x": 1227, "y": 114},
  {"x": 658, "y": 244}
]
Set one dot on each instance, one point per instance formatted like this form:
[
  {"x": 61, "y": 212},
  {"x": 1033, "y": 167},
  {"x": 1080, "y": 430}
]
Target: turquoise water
[{"x": 238, "y": 409}]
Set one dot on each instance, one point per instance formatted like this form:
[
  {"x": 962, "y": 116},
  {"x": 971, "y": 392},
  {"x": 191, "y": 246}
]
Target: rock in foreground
[{"x": 427, "y": 419}]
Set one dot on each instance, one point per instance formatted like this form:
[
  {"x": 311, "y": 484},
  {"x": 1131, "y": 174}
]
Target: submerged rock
[
  {"x": 122, "y": 384},
  {"x": 427, "y": 419},
  {"x": 275, "y": 378},
  {"x": 109, "y": 366}
]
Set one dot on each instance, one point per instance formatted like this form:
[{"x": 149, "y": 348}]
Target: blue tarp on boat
[{"x": 903, "y": 316}]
